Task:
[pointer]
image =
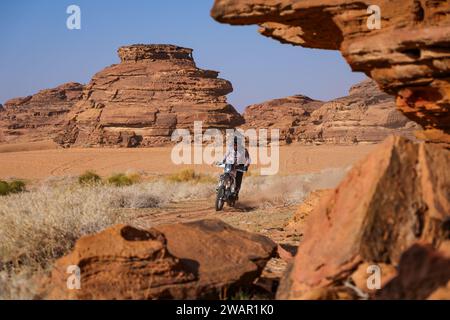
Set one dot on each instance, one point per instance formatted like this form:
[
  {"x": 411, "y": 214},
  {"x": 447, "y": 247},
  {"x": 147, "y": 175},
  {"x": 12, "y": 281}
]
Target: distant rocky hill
[
  {"x": 38, "y": 117},
  {"x": 142, "y": 100},
  {"x": 285, "y": 114},
  {"x": 365, "y": 115}
]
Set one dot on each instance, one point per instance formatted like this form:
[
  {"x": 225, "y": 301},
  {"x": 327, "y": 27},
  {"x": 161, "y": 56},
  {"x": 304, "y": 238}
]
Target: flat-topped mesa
[
  {"x": 409, "y": 56},
  {"x": 142, "y": 100},
  {"x": 154, "y": 52}
]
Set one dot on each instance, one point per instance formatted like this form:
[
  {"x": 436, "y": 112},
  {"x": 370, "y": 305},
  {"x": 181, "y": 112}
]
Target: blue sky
[{"x": 37, "y": 51}]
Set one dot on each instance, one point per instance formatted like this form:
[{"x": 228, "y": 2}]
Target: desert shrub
[
  {"x": 135, "y": 200},
  {"x": 14, "y": 186},
  {"x": 189, "y": 175},
  {"x": 120, "y": 180},
  {"x": 89, "y": 177},
  {"x": 41, "y": 225},
  {"x": 183, "y": 176},
  {"x": 4, "y": 188},
  {"x": 134, "y": 177},
  {"x": 17, "y": 186}
]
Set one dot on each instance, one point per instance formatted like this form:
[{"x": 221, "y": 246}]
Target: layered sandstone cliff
[
  {"x": 142, "y": 100},
  {"x": 366, "y": 115},
  {"x": 38, "y": 117},
  {"x": 409, "y": 56},
  {"x": 285, "y": 114}
]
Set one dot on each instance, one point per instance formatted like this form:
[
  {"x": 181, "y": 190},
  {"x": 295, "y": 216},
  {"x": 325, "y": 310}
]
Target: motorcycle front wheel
[{"x": 219, "y": 199}]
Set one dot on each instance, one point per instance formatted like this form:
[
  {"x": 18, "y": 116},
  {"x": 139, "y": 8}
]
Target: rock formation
[
  {"x": 285, "y": 114},
  {"x": 408, "y": 56},
  {"x": 40, "y": 116},
  {"x": 365, "y": 115},
  {"x": 195, "y": 260},
  {"x": 142, "y": 100},
  {"x": 394, "y": 198}
]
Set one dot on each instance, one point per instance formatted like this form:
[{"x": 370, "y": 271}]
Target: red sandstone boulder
[
  {"x": 394, "y": 198},
  {"x": 201, "y": 259}
]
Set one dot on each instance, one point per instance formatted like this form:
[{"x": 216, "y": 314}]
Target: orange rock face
[
  {"x": 394, "y": 198},
  {"x": 366, "y": 115},
  {"x": 408, "y": 56},
  {"x": 141, "y": 101},
  {"x": 38, "y": 117},
  {"x": 202, "y": 259},
  {"x": 298, "y": 221},
  {"x": 423, "y": 273},
  {"x": 285, "y": 114}
]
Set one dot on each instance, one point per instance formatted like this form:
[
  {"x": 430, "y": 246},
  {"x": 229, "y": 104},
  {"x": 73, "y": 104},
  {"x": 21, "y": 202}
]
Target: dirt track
[{"x": 268, "y": 221}]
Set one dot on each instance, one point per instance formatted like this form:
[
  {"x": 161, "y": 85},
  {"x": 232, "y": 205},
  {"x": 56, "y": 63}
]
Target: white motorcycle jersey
[{"x": 241, "y": 156}]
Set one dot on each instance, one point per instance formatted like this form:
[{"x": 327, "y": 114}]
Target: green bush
[
  {"x": 4, "y": 188},
  {"x": 15, "y": 186},
  {"x": 121, "y": 180},
  {"x": 89, "y": 177}
]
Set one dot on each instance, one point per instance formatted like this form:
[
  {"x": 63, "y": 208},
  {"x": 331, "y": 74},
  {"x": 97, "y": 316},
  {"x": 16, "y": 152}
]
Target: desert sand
[{"x": 17, "y": 162}]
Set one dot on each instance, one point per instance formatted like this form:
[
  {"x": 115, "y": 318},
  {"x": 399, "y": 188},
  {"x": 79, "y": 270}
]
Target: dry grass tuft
[{"x": 189, "y": 175}]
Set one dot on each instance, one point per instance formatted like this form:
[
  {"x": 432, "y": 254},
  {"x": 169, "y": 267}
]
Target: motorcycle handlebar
[{"x": 222, "y": 165}]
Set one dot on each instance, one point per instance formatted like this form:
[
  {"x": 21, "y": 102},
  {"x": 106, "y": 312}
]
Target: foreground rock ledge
[
  {"x": 408, "y": 56},
  {"x": 394, "y": 198},
  {"x": 195, "y": 260}
]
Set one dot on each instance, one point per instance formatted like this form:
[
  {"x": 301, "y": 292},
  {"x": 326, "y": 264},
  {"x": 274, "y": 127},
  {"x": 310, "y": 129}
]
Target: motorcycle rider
[{"x": 238, "y": 155}]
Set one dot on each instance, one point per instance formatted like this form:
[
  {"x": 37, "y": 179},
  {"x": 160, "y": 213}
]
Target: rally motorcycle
[{"x": 226, "y": 188}]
